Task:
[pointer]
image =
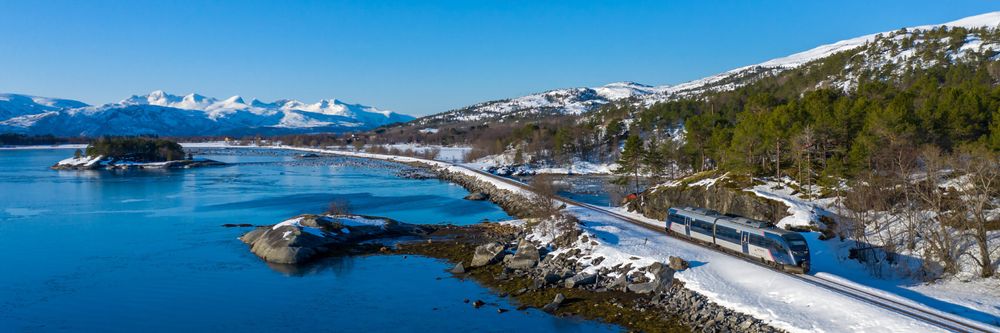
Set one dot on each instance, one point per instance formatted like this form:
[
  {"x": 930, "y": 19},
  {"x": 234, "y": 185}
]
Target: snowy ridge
[
  {"x": 582, "y": 100},
  {"x": 162, "y": 113},
  {"x": 14, "y": 105},
  {"x": 777, "y": 65},
  {"x": 553, "y": 102}
]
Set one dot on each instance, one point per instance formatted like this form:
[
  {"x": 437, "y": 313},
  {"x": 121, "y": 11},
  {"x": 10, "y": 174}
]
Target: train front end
[{"x": 800, "y": 252}]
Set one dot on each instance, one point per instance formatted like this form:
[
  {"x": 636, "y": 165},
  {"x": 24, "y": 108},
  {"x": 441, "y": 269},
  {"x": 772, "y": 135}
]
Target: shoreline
[{"x": 683, "y": 307}]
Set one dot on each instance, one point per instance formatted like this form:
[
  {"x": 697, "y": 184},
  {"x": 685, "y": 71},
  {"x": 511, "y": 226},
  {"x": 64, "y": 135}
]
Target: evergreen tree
[
  {"x": 654, "y": 161},
  {"x": 630, "y": 163}
]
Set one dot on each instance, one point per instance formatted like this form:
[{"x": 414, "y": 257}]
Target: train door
[
  {"x": 687, "y": 226},
  {"x": 745, "y": 241}
]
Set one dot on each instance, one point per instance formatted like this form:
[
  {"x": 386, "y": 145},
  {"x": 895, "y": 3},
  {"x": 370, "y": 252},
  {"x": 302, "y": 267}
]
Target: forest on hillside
[{"x": 881, "y": 127}]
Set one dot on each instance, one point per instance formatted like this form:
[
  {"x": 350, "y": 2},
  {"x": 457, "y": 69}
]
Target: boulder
[
  {"x": 487, "y": 254},
  {"x": 477, "y": 196},
  {"x": 554, "y": 305},
  {"x": 619, "y": 283},
  {"x": 458, "y": 269},
  {"x": 642, "y": 288},
  {"x": 677, "y": 263},
  {"x": 526, "y": 257},
  {"x": 301, "y": 238},
  {"x": 552, "y": 278},
  {"x": 578, "y": 280},
  {"x": 663, "y": 276}
]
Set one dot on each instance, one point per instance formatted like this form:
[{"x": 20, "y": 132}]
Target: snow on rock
[
  {"x": 82, "y": 161},
  {"x": 803, "y": 213},
  {"x": 359, "y": 221},
  {"x": 297, "y": 223}
]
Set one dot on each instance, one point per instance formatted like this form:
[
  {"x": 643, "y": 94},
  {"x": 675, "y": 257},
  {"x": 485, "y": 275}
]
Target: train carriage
[{"x": 751, "y": 238}]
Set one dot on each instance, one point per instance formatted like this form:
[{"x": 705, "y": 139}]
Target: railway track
[{"x": 933, "y": 317}]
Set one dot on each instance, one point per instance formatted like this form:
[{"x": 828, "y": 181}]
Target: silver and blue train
[{"x": 751, "y": 238}]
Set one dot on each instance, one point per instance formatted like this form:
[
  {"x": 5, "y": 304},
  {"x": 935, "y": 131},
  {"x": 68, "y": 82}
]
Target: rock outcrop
[
  {"x": 476, "y": 196},
  {"x": 487, "y": 254},
  {"x": 304, "y": 237},
  {"x": 723, "y": 197},
  {"x": 101, "y": 162},
  {"x": 513, "y": 203},
  {"x": 526, "y": 256},
  {"x": 677, "y": 264}
]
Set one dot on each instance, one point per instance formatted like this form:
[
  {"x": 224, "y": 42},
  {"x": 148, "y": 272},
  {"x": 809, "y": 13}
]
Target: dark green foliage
[
  {"x": 21, "y": 139},
  {"x": 630, "y": 163},
  {"x": 136, "y": 149}
]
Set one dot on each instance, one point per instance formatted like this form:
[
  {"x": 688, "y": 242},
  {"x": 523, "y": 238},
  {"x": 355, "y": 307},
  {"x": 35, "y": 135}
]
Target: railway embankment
[{"x": 552, "y": 264}]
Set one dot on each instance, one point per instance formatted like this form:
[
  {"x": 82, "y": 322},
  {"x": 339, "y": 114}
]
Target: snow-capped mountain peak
[
  {"x": 725, "y": 80},
  {"x": 163, "y": 113},
  {"x": 15, "y": 105}
]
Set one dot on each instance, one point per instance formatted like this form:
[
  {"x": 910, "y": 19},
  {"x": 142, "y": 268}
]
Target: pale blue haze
[{"x": 414, "y": 57}]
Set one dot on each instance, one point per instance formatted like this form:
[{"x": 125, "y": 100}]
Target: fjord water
[{"x": 143, "y": 251}]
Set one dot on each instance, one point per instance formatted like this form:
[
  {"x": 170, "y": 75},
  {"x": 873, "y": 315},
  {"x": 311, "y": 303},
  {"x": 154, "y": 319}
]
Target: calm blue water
[{"x": 100, "y": 251}]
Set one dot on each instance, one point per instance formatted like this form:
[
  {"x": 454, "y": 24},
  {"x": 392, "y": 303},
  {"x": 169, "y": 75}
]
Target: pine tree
[
  {"x": 630, "y": 163},
  {"x": 654, "y": 160}
]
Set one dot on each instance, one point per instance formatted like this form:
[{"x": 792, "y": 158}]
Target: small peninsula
[{"x": 132, "y": 153}]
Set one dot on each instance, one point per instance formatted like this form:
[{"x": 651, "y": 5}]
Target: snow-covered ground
[
  {"x": 784, "y": 301},
  {"x": 575, "y": 167},
  {"x": 445, "y": 153},
  {"x": 977, "y": 299}
]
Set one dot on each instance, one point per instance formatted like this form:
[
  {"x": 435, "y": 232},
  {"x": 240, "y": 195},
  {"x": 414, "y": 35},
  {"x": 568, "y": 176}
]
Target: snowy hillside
[
  {"x": 581, "y": 100},
  {"x": 171, "y": 115},
  {"x": 744, "y": 75},
  {"x": 553, "y": 102},
  {"x": 14, "y": 105}
]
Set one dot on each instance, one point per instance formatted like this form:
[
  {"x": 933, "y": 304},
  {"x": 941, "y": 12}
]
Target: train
[{"x": 750, "y": 238}]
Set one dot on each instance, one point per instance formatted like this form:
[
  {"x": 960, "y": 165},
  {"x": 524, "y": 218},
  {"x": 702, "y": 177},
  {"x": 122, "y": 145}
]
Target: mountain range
[
  {"x": 877, "y": 55},
  {"x": 165, "y": 114},
  {"x": 582, "y": 100}
]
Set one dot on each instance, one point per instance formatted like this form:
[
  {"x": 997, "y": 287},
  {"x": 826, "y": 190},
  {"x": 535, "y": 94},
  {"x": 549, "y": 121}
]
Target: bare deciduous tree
[
  {"x": 339, "y": 207},
  {"x": 545, "y": 195},
  {"x": 979, "y": 189},
  {"x": 938, "y": 216}
]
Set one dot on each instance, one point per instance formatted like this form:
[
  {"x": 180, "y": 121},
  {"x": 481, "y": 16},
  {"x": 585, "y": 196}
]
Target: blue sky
[{"x": 414, "y": 57}]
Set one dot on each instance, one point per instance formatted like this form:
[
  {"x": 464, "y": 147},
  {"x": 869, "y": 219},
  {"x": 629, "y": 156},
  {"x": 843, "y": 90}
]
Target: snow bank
[
  {"x": 784, "y": 301},
  {"x": 359, "y": 221},
  {"x": 82, "y": 161},
  {"x": 297, "y": 222}
]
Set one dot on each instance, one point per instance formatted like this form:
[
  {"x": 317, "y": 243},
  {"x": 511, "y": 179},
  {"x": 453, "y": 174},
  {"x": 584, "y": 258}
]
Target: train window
[
  {"x": 727, "y": 233},
  {"x": 796, "y": 242},
  {"x": 701, "y": 227},
  {"x": 674, "y": 218}
]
